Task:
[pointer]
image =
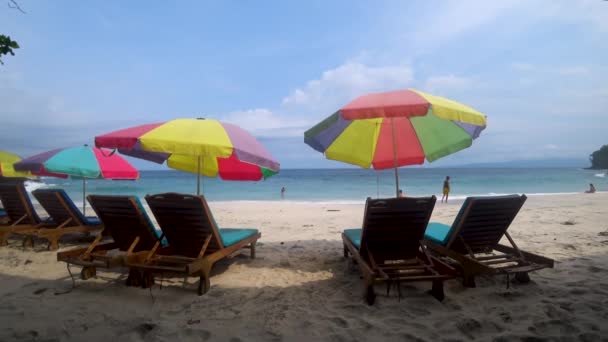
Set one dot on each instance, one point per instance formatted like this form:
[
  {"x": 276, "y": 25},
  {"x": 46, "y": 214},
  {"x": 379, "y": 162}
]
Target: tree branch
[{"x": 15, "y": 5}]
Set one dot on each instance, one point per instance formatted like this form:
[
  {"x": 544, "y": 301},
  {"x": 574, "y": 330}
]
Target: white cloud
[
  {"x": 21, "y": 106},
  {"x": 522, "y": 66},
  {"x": 573, "y": 71},
  {"x": 458, "y": 17},
  {"x": 437, "y": 84},
  {"x": 319, "y": 98},
  {"x": 564, "y": 70},
  {"x": 341, "y": 84},
  {"x": 263, "y": 122},
  {"x": 593, "y": 12}
]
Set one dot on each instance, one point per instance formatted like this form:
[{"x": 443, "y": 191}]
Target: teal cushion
[
  {"x": 354, "y": 235},
  {"x": 157, "y": 232},
  {"x": 438, "y": 233},
  {"x": 230, "y": 236},
  {"x": 92, "y": 221}
]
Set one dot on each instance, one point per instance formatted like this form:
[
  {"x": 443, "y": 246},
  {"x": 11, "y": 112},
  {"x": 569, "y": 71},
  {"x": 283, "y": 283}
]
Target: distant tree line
[{"x": 599, "y": 158}]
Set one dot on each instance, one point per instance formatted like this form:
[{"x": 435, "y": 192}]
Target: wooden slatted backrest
[
  {"x": 59, "y": 206},
  {"x": 186, "y": 221},
  {"x": 482, "y": 222},
  {"x": 393, "y": 228},
  {"x": 17, "y": 203},
  {"x": 125, "y": 219}
]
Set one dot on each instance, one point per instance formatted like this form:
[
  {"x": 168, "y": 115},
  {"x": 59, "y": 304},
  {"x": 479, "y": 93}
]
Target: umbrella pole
[
  {"x": 377, "y": 185},
  {"x": 198, "y": 177},
  {"x": 395, "y": 157},
  {"x": 84, "y": 199}
]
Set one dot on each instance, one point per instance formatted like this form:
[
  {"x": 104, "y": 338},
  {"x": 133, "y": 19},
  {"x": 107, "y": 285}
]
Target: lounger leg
[
  {"x": 468, "y": 280},
  {"x": 203, "y": 285},
  {"x": 522, "y": 277},
  {"x": 253, "y": 250},
  {"x": 134, "y": 278},
  {"x": 88, "y": 272},
  {"x": 28, "y": 242},
  {"x": 370, "y": 295},
  {"x": 437, "y": 290},
  {"x": 345, "y": 251},
  {"x": 4, "y": 238},
  {"x": 53, "y": 243},
  {"x": 147, "y": 280},
  {"x": 205, "y": 282}
]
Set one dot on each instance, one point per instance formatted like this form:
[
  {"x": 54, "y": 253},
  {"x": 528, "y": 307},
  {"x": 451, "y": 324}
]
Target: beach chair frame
[
  {"x": 408, "y": 261},
  {"x": 479, "y": 251},
  {"x": 22, "y": 216},
  {"x": 209, "y": 251},
  {"x": 62, "y": 213},
  {"x": 125, "y": 240}
]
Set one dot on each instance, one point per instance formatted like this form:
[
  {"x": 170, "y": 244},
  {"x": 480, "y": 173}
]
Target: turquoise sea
[{"x": 348, "y": 185}]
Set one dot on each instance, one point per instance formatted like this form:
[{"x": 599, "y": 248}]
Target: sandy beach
[{"x": 301, "y": 288}]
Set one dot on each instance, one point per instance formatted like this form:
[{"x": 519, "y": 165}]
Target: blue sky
[{"x": 537, "y": 69}]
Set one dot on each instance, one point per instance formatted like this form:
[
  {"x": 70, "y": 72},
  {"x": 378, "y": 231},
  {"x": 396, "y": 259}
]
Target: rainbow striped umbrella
[
  {"x": 201, "y": 146},
  {"x": 7, "y": 160},
  {"x": 80, "y": 161},
  {"x": 397, "y": 128}
]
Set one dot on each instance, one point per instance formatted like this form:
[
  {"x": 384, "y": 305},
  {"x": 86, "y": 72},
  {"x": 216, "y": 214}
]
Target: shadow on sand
[{"x": 302, "y": 290}]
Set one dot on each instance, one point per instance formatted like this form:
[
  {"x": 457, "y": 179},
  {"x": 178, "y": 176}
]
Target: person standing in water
[
  {"x": 446, "y": 189},
  {"x": 283, "y": 192},
  {"x": 591, "y": 189}
]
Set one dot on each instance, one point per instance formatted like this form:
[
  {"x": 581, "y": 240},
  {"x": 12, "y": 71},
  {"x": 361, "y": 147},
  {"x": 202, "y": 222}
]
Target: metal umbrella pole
[
  {"x": 84, "y": 199},
  {"x": 198, "y": 177},
  {"x": 395, "y": 157}
]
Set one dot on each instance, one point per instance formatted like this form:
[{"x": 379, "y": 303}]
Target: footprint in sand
[
  {"x": 144, "y": 329},
  {"x": 339, "y": 322},
  {"x": 40, "y": 291},
  {"x": 589, "y": 337},
  {"x": 505, "y": 317},
  {"x": 554, "y": 327}
]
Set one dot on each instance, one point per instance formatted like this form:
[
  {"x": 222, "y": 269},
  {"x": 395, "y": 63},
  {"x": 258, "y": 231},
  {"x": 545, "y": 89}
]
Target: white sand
[{"x": 300, "y": 287}]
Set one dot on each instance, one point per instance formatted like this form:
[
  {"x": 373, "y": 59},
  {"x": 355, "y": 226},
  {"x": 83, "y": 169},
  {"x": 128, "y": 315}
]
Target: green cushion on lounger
[
  {"x": 230, "y": 236},
  {"x": 354, "y": 235},
  {"x": 157, "y": 233},
  {"x": 438, "y": 233}
]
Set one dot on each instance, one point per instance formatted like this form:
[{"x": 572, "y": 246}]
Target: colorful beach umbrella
[
  {"x": 7, "y": 160},
  {"x": 397, "y": 128},
  {"x": 201, "y": 146},
  {"x": 81, "y": 161}
]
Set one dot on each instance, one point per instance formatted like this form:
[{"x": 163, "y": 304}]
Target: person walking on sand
[{"x": 446, "y": 189}]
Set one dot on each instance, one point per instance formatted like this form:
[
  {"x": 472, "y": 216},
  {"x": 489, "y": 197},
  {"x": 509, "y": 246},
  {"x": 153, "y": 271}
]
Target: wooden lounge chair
[
  {"x": 68, "y": 219},
  {"x": 388, "y": 248},
  {"x": 473, "y": 239},
  {"x": 21, "y": 213},
  {"x": 195, "y": 241},
  {"x": 127, "y": 222}
]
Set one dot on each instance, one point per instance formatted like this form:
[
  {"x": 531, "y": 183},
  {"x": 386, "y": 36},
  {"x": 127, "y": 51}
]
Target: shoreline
[{"x": 458, "y": 199}]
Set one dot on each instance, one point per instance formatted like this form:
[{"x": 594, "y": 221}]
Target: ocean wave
[
  {"x": 456, "y": 198},
  {"x": 315, "y": 202},
  {"x": 601, "y": 175},
  {"x": 31, "y": 185}
]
